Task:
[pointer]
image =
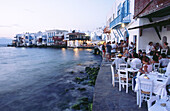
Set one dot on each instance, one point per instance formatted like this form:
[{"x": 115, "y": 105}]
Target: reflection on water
[
  {"x": 76, "y": 52},
  {"x": 64, "y": 52},
  {"x": 33, "y": 79}
]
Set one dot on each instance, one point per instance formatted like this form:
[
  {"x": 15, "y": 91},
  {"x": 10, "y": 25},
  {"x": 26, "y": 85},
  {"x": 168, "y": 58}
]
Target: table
[
  {"x": 159, "y": 87},
  {"x": 157, "y": 106},
  {"x": 132, "y": 69}
]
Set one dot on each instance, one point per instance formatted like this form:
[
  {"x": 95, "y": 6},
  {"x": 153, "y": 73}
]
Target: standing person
[
  {"x": 165, "y": 46},
  {"x": 113, "y": 48},
  {"x": 121, "y": 45},
  {"x": 131, "y": 45},
  {"x": 150, "y": 48},
  {"x": 108, "y": 51},
  {"x": 104, "y": 49}
]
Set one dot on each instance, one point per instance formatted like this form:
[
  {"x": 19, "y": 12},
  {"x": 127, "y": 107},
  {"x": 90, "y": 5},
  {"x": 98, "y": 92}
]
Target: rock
[
  {"x": 72, "y": 72},
  {"x": 81, "y": 72},
  {"x": 81, "y": 89}
]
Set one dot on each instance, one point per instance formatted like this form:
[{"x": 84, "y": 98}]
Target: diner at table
[{"x": 141, "y": 67}]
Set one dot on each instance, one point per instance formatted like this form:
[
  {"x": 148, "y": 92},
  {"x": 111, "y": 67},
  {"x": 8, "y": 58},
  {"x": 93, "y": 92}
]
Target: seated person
[
  {"x": 144, "y": 57},
  {"x": 146, "y": 68},
  {"x": 150, "y": 48},
  {"x": 156, "y": 57},
  {"x": 118, "y": 61},
  {"x": 158, "y": 47},
  {"x": 139, "y": 53},
  {"x": 163, "y": 61},
  {"x": 127, "y": 54},
  {"x": 136, "y": 62}
]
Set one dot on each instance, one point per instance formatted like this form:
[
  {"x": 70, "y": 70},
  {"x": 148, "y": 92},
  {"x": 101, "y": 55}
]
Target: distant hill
[{"x": 4, "y": 40}]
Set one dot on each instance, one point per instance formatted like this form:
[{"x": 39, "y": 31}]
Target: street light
[{"x": 123, "y": 25}]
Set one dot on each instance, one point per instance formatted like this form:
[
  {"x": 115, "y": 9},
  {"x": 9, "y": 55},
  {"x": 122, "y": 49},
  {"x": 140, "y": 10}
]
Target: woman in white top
[
  {"x": 150, "y": 48},
  {"x": 146, "y": 67}
]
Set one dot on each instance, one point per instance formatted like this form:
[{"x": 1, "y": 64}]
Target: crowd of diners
[{"x": 121, "y": 53}]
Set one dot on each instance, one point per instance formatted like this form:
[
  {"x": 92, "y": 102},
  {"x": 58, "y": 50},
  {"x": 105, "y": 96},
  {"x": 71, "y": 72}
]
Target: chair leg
[
  {"x": 126, "y": 88},
  {"x": 140, "y": 103},
  {"x": 137, "y": 96},
  {"x": 119, "y": 85},
  {"x": 132, "y": 84}
]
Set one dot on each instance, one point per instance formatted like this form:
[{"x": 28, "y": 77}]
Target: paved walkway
[{"x": 108, "y": 98}]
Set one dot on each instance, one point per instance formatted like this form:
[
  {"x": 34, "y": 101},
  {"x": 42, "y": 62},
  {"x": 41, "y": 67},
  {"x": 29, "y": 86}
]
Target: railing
[{"x": 122, "y": 18}]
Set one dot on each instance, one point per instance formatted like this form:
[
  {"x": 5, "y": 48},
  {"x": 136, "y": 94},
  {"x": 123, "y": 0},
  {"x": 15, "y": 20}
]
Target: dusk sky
[{"x": 18, "y": 16}]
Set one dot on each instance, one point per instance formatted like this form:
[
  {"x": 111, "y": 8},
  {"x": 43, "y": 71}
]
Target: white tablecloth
[
  {"x": 157, "y": 106},
  {"x": 159, "y": 87},
  {"x": 131, "y": 70}
]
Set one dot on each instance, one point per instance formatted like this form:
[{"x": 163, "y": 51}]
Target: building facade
[
  {"x": 77, "y": 39},
  {"x": 53, "y": 34},
  {"x": 153, "y": 18},
  {"x": 119, "y": 19}
]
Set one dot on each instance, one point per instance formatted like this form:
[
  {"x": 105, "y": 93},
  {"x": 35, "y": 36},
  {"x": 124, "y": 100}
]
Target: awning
[{"x": 162, "y": 22}]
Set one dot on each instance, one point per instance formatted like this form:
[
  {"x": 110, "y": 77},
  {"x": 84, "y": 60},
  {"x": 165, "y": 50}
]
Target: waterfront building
[
  {"x": 119, "y": 19},
  {"x": 78, "y": 39},
  {"x": 19, "y": 40},
  {"x": 41, "y": 38},
  {"x": 153, "y": 18},
  {"x": 53, "y": 34},
  {"x": 139, "y": 22}
]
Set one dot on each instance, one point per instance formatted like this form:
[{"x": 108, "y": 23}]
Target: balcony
[
  {"x": 81, "y": 38},
  {"x": 122, "y": 18}
]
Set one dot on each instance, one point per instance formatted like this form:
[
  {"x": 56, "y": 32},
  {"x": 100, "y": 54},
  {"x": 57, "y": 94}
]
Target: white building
[
  {"x": 41, "y": 38},
  {"x": 52, "y": 33},
  {"x": 119, "y": 19},
  {"x": 148, "y": 19}
]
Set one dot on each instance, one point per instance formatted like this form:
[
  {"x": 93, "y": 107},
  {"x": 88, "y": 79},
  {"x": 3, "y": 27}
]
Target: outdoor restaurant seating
[
  {"x": 160, "y": 104},
  {"x": 145, "y": 90},
  {"x": 151, "y": 101},
  {"x": 115, "y": 77},
  {"x": 149, "y": 79},
  {"x": 156, "y": 66},
  {"x": 124, "y": 79},
  {"x": 165, "y": 51}
]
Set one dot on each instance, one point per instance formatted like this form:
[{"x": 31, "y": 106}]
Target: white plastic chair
[
  {"x": 164, "y": 51},
  {"x": 122, "y": 66},
  {"x": 156, "y": 66},
  {"x": 151, "y": 100},
  {"x": 124, "y": 79},
  {"x": 145, "y": 90},
  {"x": 115, "y": 77}
]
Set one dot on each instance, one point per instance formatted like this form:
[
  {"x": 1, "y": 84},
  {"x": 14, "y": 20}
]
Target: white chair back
[
  {"x": 113, "y": 76},
  {"x": 123, "y": 74},
  {"x": 164, "y": 51},
  {"x": 146, "y": 85},
  {"x": 123, "y": 79},
  {"x": 156, "y": 66},
  {"x": 145, "y": 90},
  {"x": 122, "y": 66}
]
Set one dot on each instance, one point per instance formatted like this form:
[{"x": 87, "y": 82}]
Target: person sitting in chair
[{"x": 118, "y": 61}]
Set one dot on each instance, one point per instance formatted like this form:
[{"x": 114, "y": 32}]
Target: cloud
[
  {"x": 9, "y": 26},
  {"x": 28, "y": 10}
]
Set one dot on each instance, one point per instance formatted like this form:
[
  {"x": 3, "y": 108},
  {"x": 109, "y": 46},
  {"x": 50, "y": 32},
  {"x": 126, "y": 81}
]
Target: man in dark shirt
[
  {"x": 108, "y": 51},
  {"x": 144, "y": 57}
]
